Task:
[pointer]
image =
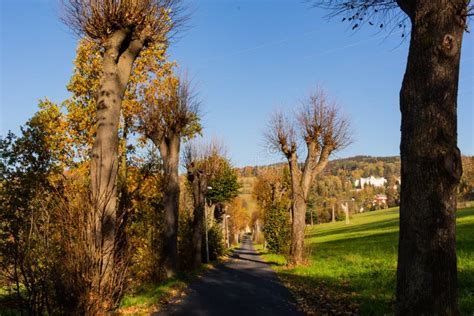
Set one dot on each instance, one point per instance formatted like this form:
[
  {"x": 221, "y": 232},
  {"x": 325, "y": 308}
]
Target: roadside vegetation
[
  {"x": 97, "y": 218},
  {"x": 352, "y": 268}
]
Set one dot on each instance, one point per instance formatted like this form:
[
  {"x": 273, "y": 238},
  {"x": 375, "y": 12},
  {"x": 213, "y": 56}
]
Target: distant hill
[
  {"x": 353, "y": 167},
  {"x": 339, "y": 177}
]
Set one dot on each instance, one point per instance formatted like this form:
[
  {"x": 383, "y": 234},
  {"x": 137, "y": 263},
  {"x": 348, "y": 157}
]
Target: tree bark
[
  {"x": 197, "y": 187},
  {"x": 169, "y": 149},
  {"x": 297, "y": 229},
  {"x": 431, "y": 164},
  {"x": 298, "y": 211},
  {"x": 120, "y": 53}
]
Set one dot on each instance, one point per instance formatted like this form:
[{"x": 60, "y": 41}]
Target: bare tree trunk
[
  {"x": 297, "y": 229},
  {"x": 431, "y": 164},
  {"x": 197, "y": 188},
  {"x": 198, "y": 223},
  {"x": 119, "y": 55},
  {"x": 169, "y": 149},
  {"x": 345, "y": 208},
  {"x": 333, "y": 219}
]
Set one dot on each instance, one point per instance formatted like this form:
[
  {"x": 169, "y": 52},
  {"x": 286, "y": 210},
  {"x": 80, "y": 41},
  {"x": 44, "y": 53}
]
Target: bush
[
  {"x": 216, "y": 243},
  {"x": 276, "y": 228},
  {"x": 185, "y": 241}
]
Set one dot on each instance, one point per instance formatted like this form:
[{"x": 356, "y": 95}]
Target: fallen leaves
[{"x": 317, "y": 297}]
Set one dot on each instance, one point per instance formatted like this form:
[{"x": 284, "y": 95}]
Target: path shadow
[{"x": 248, "y": 253}]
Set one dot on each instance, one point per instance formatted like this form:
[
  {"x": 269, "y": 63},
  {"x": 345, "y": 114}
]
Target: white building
[{"x": 376, "y": 182}]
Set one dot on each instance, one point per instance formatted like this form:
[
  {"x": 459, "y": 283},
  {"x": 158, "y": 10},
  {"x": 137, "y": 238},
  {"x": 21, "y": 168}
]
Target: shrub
[
  {"x": 276, "y": 227},
  {"x": 216, "y": 243}
]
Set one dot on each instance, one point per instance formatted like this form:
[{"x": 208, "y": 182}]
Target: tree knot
[
  {"x": 449, "y": 45},
  {"x": 453, "y": 164}
]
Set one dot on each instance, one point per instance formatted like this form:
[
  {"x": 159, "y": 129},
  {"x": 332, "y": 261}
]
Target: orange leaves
[{"x": 239, "y": 214}]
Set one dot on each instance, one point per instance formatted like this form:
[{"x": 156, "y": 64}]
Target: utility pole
[{"x": 227, "y": 230}]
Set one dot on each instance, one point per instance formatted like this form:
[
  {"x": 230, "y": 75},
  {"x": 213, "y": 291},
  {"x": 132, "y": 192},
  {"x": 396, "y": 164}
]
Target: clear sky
[{"x": 247, "y": 58}]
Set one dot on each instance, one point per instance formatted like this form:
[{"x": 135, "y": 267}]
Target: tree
[
  {"x": 272, "y": 193},
  {"x": 81, "y": 107},
  {"x": 31, "y": 167},
  {"x": 324, "y": 131},
  {"x": 122, "y": 29},
  {"x": 466, "y": 187},
  {"x": 238, "y": 219},
  {"x": 171, "y": 113},
  {"x": 431, "y": 161},
  {"x": 207, "y": 164}
]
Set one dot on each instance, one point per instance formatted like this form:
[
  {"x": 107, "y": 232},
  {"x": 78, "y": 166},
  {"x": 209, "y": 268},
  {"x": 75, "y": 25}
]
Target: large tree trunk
[
  {"x": 170, "y": 153},
  {"x": 431, "y": 164},
  {"x": 120, "y": 53},
  {"x": 298, "y": 211},
  {"x": 198, "y": 229},
  {"x": 298, "y": 228}
]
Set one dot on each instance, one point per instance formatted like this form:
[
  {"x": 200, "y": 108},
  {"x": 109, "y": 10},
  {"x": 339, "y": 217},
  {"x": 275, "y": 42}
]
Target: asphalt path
[{"x": 242, "y": 285}]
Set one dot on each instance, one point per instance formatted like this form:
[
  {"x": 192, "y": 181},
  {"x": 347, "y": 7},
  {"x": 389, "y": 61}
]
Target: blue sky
[{"x": 246, "y": 58}]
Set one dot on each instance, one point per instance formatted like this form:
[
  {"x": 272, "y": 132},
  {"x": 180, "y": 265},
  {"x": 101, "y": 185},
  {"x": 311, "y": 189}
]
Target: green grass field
[{"x": 353, "y": 266}]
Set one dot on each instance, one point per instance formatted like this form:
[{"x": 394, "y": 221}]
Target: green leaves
[{"x": 224, "y": 183}]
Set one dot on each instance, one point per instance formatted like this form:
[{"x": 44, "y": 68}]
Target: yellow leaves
[
  {"x": 88, "y": 69},
  {"x": 239, "y": 214},
  {"x": 85, "y": 83},
  {"x": 51, "y": 122}
]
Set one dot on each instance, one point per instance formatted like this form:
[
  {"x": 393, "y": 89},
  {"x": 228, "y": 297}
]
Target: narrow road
[{"x": 243, "y": 285}]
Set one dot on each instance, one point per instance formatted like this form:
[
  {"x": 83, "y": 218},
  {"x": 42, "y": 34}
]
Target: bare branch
[
  {"x": 280, "y": 135},
  {"x": 205, "y": 157},
  {"x": 382, "y": 14},
  {"x": 322, "y": 125},
  {"x": 142, "y": 19},
  {"x": 170, "y": 107}
]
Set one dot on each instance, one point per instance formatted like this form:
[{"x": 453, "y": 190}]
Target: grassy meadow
[{"x": 352, "y": 268}]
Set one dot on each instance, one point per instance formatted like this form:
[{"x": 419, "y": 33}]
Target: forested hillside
[{"x": 337, "y": 184}]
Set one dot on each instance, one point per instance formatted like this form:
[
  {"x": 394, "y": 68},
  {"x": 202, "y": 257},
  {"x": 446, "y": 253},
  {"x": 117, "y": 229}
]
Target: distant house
[
  {"x": 373, "y": 181},
  {"x": 380, "y": 199}
]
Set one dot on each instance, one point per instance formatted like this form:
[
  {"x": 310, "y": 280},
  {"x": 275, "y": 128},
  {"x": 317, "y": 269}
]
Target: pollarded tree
[
  {"x": 122, "y": 28},
  {"x": 206, "y": 165},
  {"x": 431, "y": 161},
  {"x": 81, "y": 110},
  {"x": 170, "y": 113},
  {"x": 324, "y": 131}
]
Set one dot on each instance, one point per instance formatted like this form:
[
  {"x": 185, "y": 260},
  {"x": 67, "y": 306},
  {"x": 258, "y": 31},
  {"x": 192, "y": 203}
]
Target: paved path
[{"x": 243, "y": 285}]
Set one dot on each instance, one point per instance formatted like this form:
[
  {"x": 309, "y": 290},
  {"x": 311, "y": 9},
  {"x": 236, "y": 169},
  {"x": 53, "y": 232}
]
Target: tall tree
[
  {"x": 31, "y": 169},
  {"x": 206, "y": 164},
  {"x": 431, "y": 161},
  {"x": 81, "y": 115},
  {"x": 324, "y": 131},
  {"x": 171, "y": 113},
  {"x": 122, "y": 29}
]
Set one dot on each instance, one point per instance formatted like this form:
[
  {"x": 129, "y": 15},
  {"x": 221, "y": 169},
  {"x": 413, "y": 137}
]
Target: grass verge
[
  {"x": 352, "y": 268},
  {"x": 152, "y": 297}
]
